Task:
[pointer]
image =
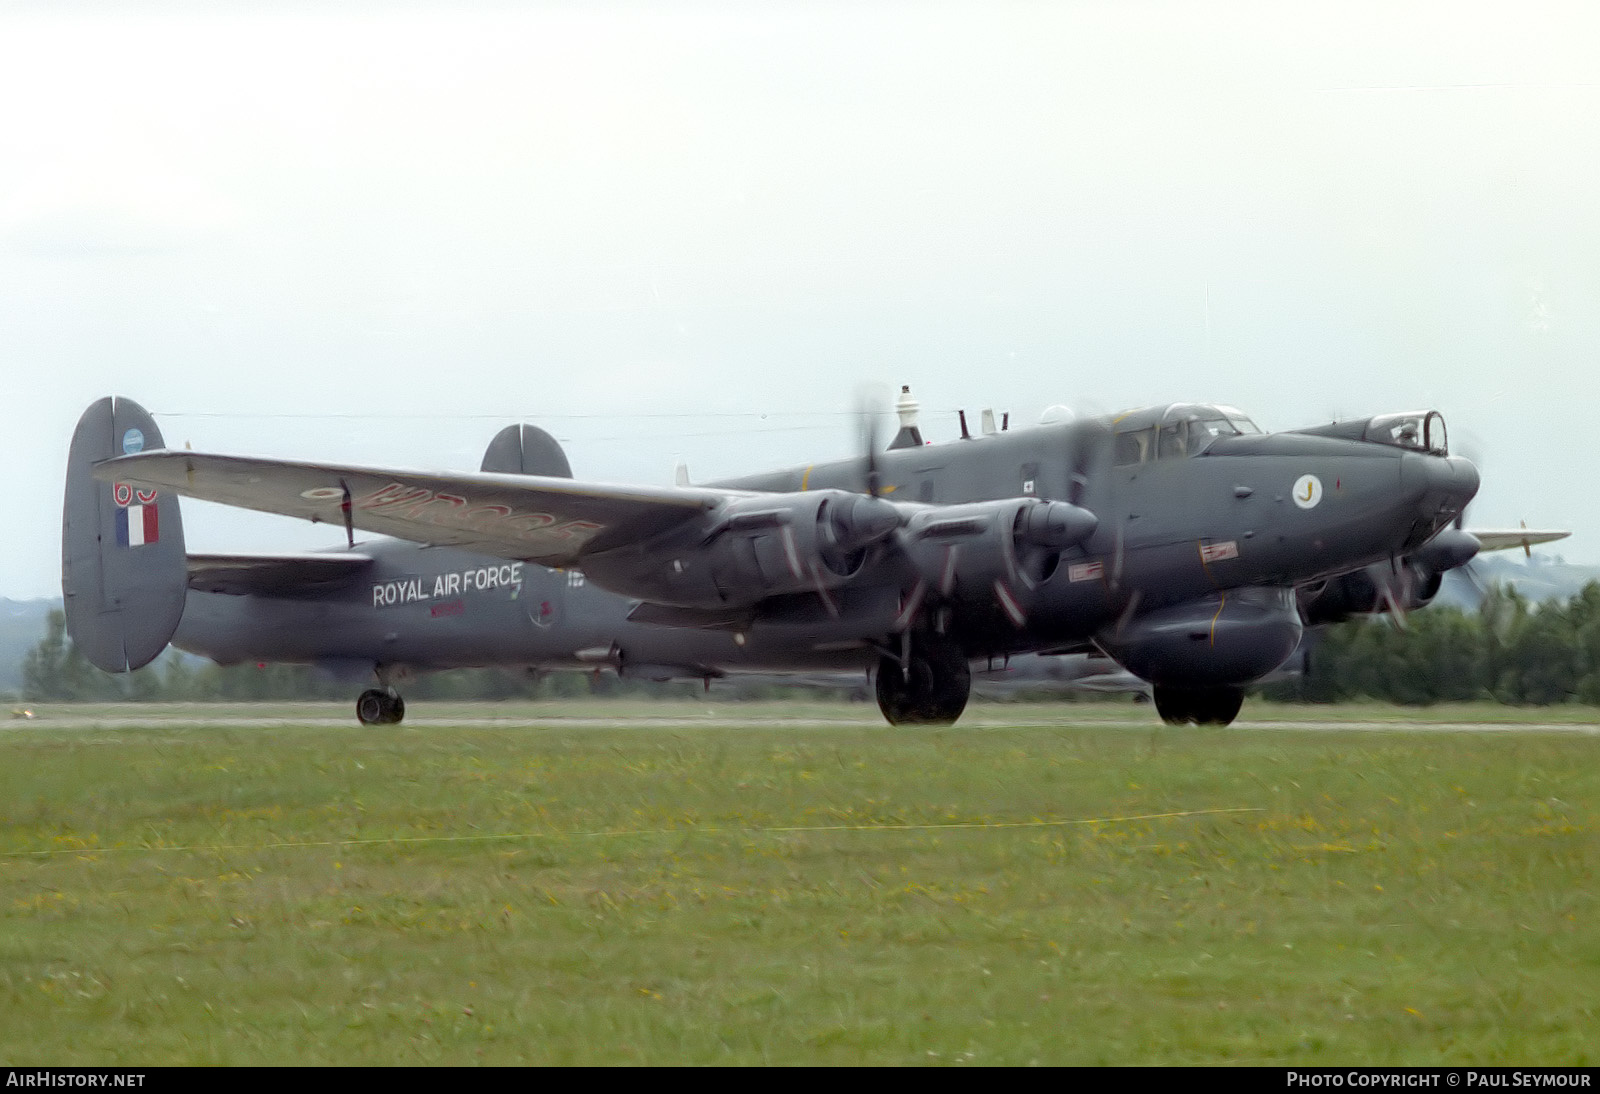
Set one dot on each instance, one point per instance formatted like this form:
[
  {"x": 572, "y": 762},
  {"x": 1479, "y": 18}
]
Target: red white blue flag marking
[{"x": 140, "y": 524}]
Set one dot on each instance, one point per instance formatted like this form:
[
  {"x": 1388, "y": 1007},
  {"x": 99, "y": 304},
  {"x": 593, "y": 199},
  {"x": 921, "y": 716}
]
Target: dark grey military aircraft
[{"x": 1180, "y": 541}]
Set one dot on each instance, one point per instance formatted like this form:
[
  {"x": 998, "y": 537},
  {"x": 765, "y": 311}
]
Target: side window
[
  {"x": 1132, "y": 448},
  {"x": 1173, "y": 442}
]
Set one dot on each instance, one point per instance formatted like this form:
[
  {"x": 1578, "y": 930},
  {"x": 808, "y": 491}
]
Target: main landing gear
[
  {"x": 380, "y": 707},
  {"x": 1198, "y": 706},
  {"x": 928, "y": 686}
]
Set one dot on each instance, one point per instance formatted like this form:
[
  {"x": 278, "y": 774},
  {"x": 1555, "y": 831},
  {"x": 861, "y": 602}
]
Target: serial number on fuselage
[{"x": 412, "y": 590}]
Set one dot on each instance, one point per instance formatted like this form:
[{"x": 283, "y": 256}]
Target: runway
[{"x": 763, "y": 717}]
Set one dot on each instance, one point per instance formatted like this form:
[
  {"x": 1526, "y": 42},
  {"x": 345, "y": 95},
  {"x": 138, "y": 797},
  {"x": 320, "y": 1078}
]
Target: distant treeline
[{"x": 1508, "y": 651}]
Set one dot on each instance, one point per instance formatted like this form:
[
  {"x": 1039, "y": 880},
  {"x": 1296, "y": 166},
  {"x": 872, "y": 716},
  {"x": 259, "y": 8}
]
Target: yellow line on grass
[{"x": 508, "y": 836}]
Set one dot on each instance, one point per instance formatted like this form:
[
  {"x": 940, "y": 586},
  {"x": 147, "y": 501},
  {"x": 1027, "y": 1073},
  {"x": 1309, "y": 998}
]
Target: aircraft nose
[
  {"x": 1457, "y": 479},
  {"x": 1441, "y": 483}
]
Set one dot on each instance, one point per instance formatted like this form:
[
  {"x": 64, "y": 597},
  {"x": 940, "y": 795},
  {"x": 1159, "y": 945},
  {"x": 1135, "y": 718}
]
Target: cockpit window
[
  {"x": 1134, "y": 447},
  {"x": 1173, "y": 440},
  {"x": 1418, "y": 429},
  {"x": 1215, "y": 427},
  {"x": 1178, "y": 431},
  {"x": 1191, "y": 436}
]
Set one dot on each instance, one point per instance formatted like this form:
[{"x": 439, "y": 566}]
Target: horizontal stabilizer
[{"x": 273, "y": 575}]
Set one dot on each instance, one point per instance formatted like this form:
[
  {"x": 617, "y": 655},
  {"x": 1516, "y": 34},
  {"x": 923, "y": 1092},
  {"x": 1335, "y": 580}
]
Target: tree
[{"x": 56, "y": 669}]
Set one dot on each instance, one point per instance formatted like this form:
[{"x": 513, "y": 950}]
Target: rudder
[{"x": 124, "y": 573}]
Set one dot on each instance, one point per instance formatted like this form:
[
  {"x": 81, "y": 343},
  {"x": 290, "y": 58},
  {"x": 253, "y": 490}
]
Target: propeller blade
[
  {"x": 910, "y": 604},
  {"x": 1008, "y": 604},
  {"x": 1116, "y": 562},
  {"x": 1127, "y": 614},
  {"x": 868, "y": 403},
  {"x": 1091, "y": 459},
  {"x": 821, "y": 588},
  {"x": 1468, "y": 447},
  {"x": 1394, "y": 593}
]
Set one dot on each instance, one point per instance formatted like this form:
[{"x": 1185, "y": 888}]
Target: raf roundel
[{"x": 1307, "y": 491}]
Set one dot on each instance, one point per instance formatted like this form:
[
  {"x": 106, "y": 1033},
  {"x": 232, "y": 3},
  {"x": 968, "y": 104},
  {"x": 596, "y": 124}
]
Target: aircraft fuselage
[{"x": 1253, "y": 510}]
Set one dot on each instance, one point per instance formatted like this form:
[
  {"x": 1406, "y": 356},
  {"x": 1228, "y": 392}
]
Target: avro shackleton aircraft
[{"x": 1181, "y": 541}]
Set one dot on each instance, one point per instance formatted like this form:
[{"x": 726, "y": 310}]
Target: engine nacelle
[
  {"x": 1227, "y": 639},
  {"x": 750, "y": 549},
  {"x": 1409, "y": 584},
  {"x": 1373, "y": 589},
  {"x": 1003, "y": 549}
]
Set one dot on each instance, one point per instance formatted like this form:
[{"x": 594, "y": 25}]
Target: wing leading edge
[{"x": 546, "y": 520}]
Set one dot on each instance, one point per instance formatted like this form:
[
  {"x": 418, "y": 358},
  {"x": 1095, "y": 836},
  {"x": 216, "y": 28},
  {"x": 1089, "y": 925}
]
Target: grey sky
[{"x": 434, "y": 220}]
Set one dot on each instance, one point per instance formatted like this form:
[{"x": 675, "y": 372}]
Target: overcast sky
[{"x": 377, "y": 233}]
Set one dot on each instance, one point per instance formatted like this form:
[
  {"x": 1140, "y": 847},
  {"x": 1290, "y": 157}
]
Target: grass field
[{"x": 1026, "y": 888}]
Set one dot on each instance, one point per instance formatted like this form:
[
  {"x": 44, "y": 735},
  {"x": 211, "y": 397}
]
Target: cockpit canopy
[
  {"x": 1174, "y": 432},
  {"x": 1420, "y": 430}
]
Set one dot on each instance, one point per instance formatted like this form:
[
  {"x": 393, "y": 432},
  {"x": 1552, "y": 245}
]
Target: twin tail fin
[{"x": 124, "y": 574}]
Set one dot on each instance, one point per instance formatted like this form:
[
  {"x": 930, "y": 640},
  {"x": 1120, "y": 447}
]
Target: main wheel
[
  {"x": 931, "y": 689},
  {"x": 1173, "y": 704},
  {"x": 377, "y": 707},
  {"x": 1198, "y": 706},
  {"x": 1218, "y": 706}
]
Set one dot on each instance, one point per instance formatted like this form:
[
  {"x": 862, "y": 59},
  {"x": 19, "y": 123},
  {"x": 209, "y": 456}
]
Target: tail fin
[
  {"x": 124, "y": 574},
  {"x": 526, "y": 450}
]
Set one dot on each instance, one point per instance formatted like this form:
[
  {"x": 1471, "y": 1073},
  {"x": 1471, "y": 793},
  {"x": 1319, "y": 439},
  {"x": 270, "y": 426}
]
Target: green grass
[{"x": 999, "y": 894}]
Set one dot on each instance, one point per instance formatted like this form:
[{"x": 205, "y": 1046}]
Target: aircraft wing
[
  {"x": 531, "y": 517},
  {"x": 1500, "y": 539}
]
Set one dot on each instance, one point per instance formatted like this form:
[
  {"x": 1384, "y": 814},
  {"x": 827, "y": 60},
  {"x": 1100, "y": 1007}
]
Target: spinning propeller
[{"x": 1003, "y": 548}]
